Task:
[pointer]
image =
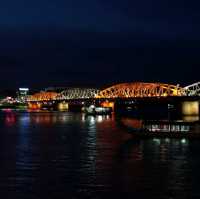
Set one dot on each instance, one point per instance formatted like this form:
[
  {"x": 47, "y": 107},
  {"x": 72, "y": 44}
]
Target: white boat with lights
[{"x": 93, "y": 110}]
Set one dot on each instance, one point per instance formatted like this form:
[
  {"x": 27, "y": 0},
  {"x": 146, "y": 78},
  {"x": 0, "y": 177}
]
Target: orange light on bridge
[
  {"x": 34, "y": 106},
  {"x": 107, "y": 104}
]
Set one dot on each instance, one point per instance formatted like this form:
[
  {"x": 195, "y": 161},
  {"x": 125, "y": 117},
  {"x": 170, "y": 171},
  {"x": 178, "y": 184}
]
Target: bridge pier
[
  {"x": 48, "y": 105},
  {"x": 191, "y": 107}
]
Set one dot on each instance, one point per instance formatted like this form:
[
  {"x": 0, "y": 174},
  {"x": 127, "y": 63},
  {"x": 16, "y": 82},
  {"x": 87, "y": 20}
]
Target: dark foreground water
[{"x": 67, "y": 155}]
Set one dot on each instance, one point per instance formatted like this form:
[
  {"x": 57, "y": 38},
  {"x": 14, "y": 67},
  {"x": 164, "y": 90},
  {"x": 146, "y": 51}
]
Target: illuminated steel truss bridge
[{"x": 124, "y": 90}]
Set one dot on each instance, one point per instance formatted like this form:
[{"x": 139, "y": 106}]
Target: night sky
[{"x": 98, "y": 42}]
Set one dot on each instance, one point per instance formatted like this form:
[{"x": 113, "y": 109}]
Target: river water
[{"x": 68, "y": 155}]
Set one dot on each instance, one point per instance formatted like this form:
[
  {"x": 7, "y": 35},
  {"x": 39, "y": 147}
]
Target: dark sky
[{"x": 98, "y": 42}]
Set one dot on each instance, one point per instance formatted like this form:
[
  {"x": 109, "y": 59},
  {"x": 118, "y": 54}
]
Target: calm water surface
[{"x": 68, "y": 155}]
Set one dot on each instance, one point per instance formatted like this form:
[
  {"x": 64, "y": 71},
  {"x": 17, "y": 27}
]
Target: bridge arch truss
[
  {"x": 193, "y": 89},
  {"x": 77, "y": 93},
  {"x": 42, "y": 96},
  {"x": 140, "y": 89}
]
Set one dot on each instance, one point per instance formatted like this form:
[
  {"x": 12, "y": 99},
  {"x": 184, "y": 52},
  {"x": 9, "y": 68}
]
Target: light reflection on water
[
  {"x": 70, "y": 155},
  {"x": 187, "y": 124},
  {"x": 191, "y": 118}
]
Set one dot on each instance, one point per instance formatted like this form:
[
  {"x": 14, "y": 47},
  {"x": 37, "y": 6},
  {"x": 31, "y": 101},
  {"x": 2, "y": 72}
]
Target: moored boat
[{"x": 93, "y": 110}]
